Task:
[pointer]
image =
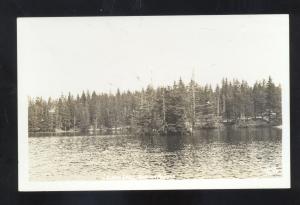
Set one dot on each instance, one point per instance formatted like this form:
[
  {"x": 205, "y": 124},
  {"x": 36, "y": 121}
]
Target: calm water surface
[{"x": 227, "y": 153}]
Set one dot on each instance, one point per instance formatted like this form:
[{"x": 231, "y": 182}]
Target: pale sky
[{"x": 58, "y": 55}]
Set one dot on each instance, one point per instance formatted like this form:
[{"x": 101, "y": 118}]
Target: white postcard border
[{"x": 253, "y": 183}]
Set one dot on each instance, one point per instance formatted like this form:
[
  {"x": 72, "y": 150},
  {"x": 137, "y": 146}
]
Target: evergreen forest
[{"x": 176, "y": 108}]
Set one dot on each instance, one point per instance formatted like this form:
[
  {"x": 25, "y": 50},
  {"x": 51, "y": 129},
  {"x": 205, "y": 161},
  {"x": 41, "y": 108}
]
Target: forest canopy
[{"x": 175, "y": 106}]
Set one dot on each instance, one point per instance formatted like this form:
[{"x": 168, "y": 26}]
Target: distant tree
[
  {"x": 70, "y": 109},
  {"x": 83, "y": 98},
  {"x": 277, "y": 104},
  {"x": 83, "y": 117},
  {"x": 175, "y": 109},
  {"x": 32, "y": 116},
  {"x": 259, "y": 99},
  {"x": 93, "y": 109},
  {"x": 270, "y": 98}
]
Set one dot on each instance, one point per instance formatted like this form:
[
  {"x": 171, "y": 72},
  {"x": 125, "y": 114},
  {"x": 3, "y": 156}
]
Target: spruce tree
[{"x": 270, "y": 98}]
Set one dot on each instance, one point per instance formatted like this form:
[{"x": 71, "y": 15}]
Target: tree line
[{"x": 157, "y": 109}]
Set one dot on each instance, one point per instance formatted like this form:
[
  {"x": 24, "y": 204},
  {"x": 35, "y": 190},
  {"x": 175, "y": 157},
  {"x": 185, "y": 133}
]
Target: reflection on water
[{"x": 227, "y": 153}]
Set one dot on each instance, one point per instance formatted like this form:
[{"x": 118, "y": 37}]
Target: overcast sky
[{"x": 58, "y": 55}]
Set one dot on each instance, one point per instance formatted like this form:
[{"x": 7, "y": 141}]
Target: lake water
[{"x": 226, "y": 153}]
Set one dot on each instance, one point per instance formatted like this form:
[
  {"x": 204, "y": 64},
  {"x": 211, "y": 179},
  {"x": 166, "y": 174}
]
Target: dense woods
[{"x": 172, "y": 109}]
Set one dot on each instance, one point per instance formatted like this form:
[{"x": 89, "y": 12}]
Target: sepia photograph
[{"x": 153, "y": 102}]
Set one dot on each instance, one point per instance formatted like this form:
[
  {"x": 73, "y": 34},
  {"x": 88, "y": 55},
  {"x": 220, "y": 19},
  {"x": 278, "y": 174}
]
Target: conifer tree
[{"x": 270, "y": 98}]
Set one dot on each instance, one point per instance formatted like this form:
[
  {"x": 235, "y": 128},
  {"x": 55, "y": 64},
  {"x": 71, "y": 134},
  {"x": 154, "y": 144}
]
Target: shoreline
[{"x": 72, "y": 133}]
